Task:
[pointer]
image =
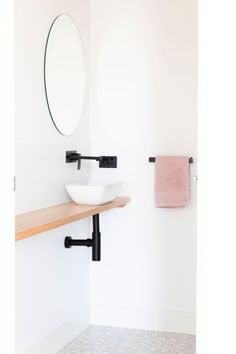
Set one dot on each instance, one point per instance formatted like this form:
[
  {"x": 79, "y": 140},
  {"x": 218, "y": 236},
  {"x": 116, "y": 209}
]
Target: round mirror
[{"x": 64, "y": 74}]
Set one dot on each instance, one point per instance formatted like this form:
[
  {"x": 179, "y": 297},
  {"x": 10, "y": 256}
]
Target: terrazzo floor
[{"x": 113, "y": 340}]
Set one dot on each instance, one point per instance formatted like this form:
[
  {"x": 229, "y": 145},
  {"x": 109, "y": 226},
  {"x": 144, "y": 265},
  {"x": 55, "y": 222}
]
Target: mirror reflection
[{"x": 64, "y": 74}]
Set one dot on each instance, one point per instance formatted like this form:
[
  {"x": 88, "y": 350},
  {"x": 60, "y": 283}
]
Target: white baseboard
[
  {"x": 116, "y": 316},
  {"x": 140, "y": 318},
  {"x": 60, "y": 336}
]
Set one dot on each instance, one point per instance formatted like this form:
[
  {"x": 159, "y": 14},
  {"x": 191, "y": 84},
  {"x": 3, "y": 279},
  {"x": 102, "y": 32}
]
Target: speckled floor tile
[{"x": 113, "y": 340}]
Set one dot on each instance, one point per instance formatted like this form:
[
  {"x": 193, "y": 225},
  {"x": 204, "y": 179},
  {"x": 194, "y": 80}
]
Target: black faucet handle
[
  {"x": 73, "y": 156},
  {"x": 108, "y": 161}
]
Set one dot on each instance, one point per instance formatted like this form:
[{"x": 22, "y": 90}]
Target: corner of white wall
[
  {"x": 55, "y": 340},
  {"x": 144, "y": 318}
]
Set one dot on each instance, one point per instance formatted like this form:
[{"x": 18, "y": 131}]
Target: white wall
[
  {"x": 7, "y": 239},
  {"x": 52, "y": 284},
  {"x": 144, "y": 102},
  {"x": 217, "y": 174}
]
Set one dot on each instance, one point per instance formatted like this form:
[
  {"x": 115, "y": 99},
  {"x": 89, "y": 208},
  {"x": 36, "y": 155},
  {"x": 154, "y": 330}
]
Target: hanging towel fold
[{"x": 172, "y": 181}]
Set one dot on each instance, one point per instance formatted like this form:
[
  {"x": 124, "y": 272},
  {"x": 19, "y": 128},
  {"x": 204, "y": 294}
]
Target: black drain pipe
[
  {"x": 96, "y": 247},
  {"x": 95, "y": 242}
]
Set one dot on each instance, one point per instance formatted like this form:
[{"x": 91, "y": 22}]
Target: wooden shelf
[{"x": 42, "y": 220}]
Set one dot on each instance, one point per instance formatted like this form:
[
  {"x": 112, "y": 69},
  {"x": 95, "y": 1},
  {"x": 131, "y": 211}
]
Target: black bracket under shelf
[{"x": 94, "y": 242}]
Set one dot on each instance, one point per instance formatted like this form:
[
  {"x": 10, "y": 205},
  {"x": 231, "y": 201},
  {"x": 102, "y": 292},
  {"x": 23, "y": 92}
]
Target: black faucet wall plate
[
  {"x": 108, "y": 162},
  {"x": 71, "y": 156}
]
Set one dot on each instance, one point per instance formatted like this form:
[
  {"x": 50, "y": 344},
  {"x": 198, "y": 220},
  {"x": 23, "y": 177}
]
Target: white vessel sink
[{"x": 93, "y": 193}]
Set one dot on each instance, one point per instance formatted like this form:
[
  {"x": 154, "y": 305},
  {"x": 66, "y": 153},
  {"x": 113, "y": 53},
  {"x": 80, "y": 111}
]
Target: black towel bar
[{"x": 153, "y": 159}]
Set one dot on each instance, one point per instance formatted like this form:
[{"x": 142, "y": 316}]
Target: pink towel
[{"x": 172, "y": 181}]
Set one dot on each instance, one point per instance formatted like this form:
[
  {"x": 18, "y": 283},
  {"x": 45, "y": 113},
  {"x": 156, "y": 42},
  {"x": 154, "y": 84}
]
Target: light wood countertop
[{"x": 46, "y": 219}]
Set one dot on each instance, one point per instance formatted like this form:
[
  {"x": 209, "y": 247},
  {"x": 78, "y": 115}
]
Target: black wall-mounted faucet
[{"x": 104, "y": 161}]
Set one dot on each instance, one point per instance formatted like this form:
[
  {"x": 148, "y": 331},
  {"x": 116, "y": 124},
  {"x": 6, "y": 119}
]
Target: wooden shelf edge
[{"x": 42, "y": 220}]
